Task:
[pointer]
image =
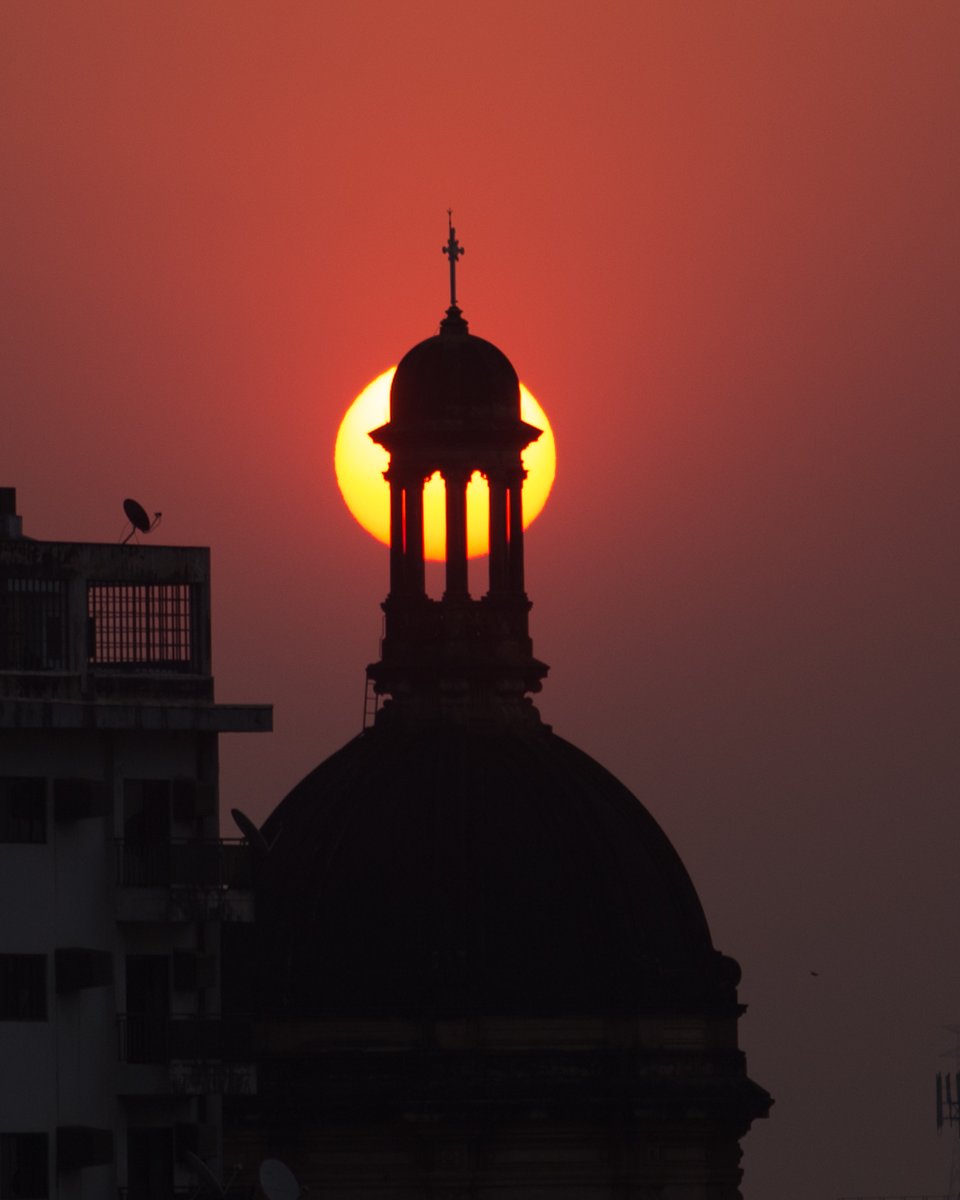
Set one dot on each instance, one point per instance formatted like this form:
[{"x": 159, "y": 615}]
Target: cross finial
[{"x": 453, "y": 251}]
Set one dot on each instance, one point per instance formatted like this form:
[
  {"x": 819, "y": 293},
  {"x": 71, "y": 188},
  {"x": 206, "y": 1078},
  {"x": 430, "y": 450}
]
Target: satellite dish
[
  {"x": 261, "y": 847},
  {"x": 278, "y": 1181},
  {"x": 136, "y": 514},
  {"x": 209, "y": 1183}
]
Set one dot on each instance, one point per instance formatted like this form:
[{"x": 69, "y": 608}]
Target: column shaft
[
  {"x": 414, "y": 574},
  {"x": 456, "y": 551},
  {"x": 499, "y": 576},
  {"x": 397, "y": 582},
  {"x": 515, "y": 510}
]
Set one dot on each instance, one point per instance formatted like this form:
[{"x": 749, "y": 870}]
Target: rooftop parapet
[
  {"x": 125, "y": 627},
  {"x": 88, "y": 610}
]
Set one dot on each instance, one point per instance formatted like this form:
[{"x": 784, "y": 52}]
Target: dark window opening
[
  {"x": 149, "y": 1163},
  {"x": 148, "y": 1007},
  {"x": 23, "y": 1166},
  {"x": 23, "y": 810},
  {"x": 33, "y": 624},
  {"x": 23, "y": 987},
  {"x": 146, "y": 810},
  {"x": 146, "y": 832},
  {"x": 149, "y": 626}
]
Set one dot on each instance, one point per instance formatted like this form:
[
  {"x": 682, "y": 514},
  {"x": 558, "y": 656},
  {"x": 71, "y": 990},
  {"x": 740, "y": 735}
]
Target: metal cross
[{"x": 452, "y": 250}]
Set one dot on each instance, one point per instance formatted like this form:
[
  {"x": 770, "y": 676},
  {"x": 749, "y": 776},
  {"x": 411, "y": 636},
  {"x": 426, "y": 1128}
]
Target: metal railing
[
  {"x": 189, "y": 1191},
  {"x": 153, "y": 1192},
  {"x": 144, "y": 626},
  {"x": 221, "y": 863}
]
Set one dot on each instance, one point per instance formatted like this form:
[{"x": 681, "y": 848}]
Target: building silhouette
[
  {"x": 479, "y": 968},
  {"x": 459, "y": 960},
  {"x": 114, "y": 882}
]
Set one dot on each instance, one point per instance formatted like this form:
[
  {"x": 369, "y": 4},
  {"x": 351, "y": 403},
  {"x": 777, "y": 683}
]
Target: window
[
  {"x": 150, "y": 1163},
  {"x": 33, "y": 624},
  {"x": 23, "y": 1166},
  {"x": 23, "y": 809},
  {"x": 145, "y": 850},
  {"x": 23, "y": 987},
  {"x": 144, "y": 625}
]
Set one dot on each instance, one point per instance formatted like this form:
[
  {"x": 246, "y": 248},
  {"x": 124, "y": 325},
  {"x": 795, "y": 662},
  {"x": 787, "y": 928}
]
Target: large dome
[
  {"x": 453, "y": 871},
  {"x": 454, "y": 377}
]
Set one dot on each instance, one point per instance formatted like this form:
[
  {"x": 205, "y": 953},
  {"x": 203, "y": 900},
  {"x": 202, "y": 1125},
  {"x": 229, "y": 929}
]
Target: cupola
[{"x": 455, "y": 409}]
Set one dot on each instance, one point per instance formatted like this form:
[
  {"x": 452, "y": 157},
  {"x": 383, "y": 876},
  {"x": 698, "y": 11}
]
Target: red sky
[{"x": 720, "y": 243}]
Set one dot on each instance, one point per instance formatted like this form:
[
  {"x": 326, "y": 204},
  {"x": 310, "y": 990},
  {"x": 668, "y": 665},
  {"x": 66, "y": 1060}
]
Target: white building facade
[{"x": 114, "y": 881}]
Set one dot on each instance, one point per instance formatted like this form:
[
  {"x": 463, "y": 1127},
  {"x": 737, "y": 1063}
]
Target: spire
[
  {"x": 453, "y": 250},
  {"x": 453, "y": 322}
]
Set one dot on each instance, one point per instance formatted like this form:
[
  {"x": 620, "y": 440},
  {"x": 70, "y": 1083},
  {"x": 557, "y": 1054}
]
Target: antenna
[
  {"x": 209, "y": 1184},
  {"x": 948, "y": 1105},
  {"x": 278, "y": 1181},
  {"x": 259, "y": 844},
  {"x": 136, "y": 514}
]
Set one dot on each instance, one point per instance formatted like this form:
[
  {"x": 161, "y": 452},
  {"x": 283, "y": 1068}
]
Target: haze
[{"x": 719, "y": 242}]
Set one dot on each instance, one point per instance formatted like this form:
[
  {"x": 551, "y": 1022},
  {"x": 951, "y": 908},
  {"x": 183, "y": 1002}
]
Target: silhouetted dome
[
  {"x": 454, "y": 377},
  {"x": 454, "y": 871}
]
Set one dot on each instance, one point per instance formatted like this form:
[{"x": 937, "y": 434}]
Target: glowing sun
[{"x": 360, "y": 465}]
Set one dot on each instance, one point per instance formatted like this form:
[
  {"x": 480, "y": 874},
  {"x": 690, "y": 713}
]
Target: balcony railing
[
  {"x": 155, "y": 1192},
  {"x": 183, "y": 1192},
  {"x": 222, "y": 863},
  {"x": 146, "y": 1038}
]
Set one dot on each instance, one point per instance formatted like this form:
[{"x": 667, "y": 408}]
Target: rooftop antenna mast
[{"x": 948, "y": 1107}]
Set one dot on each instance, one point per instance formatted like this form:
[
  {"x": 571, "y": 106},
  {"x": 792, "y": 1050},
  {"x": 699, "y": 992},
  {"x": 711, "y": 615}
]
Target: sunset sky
[{"x": 719, "y": 241}]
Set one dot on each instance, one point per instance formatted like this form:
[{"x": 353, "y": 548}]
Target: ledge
[{"x": 160, "y": 718}]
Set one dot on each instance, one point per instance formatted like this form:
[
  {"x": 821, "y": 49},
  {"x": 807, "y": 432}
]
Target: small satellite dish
[
  {"x": 209, "y": 1183},
  {"x": 261, "y": 847},
  {"x": 278, "y": 1181},
  {"x": 136, "y": 514}
]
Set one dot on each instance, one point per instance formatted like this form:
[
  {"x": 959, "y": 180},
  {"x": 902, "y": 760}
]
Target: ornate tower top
[{"x": 455, "y": 409}]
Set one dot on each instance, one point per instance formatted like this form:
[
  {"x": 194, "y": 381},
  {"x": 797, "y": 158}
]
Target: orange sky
[{"x": 719, "y": 242}]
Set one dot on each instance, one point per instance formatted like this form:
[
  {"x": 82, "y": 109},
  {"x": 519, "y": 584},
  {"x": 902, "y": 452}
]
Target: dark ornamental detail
[{"x": 453, "y": 250}]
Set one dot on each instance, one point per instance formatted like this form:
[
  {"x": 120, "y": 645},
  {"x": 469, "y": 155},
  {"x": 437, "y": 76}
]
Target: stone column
[
  {"x": 455, "y": 483},
  {"x": 499, "y": 569},
  {"x": 397, "y": 582},
  {"x": 515, "y": 535},
  {"x": 415, "y": 579}
]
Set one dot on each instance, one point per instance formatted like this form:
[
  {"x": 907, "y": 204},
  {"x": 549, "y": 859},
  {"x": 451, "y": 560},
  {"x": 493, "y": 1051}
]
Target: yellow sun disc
[{"x": 360, "y": 464}]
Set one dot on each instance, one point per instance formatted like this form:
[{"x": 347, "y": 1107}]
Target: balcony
[
  {"x": 185, "y": 1055},
  {"x": 184, "y": 1192},
  {"x": 152, "y": 1192},
  {"x": 184, "y": 880}
]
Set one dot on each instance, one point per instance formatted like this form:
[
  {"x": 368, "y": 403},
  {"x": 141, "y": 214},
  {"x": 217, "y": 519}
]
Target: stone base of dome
[{"x": 532, "y": 1110}]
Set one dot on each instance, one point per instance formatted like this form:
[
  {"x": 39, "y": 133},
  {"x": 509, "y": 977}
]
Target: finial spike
[{"x": 453, "y": 250}]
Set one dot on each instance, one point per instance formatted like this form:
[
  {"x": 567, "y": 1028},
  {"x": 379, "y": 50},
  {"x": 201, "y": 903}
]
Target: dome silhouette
[
  {"x": 453, "y": 871},
  {"x": 478, "y": 967},
  {"x": 454, "y": 378}
]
